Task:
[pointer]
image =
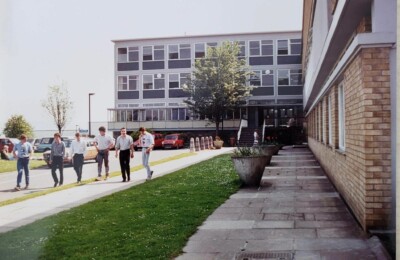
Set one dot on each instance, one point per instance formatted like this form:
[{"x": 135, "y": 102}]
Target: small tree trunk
[
  {"x": 216, "y": 128},
  {"x": 59, "y": 129}
]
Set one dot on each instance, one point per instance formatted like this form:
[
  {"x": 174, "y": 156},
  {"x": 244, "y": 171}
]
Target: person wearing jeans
[
  {"x": 78, "y": 152},
  {"x": 147, "y": 142},
  {"x": 103, "y": 144},
  {"x": 23, "y": 151},
  {"x": 57, "y": 159}
]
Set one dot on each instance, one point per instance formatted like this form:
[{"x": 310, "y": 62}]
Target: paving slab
[{"x": 302, "y": 215}]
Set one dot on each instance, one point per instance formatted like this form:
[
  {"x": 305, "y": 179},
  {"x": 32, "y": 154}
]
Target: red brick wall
[{"x": 362, "y": 173}]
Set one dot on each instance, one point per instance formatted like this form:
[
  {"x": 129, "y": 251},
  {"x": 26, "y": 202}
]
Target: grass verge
[
  {"x": 11, "y": 166},
  {"x": 149, "y": 221},
  {"x": 87, "y": 181}
]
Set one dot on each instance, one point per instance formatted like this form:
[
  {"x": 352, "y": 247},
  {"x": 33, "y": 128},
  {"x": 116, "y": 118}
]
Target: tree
[
  {"x": 218, "y": 83},
  {"x": 58, "y": 105},
  {"x": 17, "y": 125}
]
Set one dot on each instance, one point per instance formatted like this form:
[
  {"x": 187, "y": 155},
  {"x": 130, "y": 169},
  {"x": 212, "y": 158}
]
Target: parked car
[
  {"x": 91, "y": 153},
  {"x": 45, "y": 144},
  {"x": 173, "y": 141},
  {"x": 158, "y": 139},
  {"x": 34, "y": 142},
  {"x": 10, "y": 142}
]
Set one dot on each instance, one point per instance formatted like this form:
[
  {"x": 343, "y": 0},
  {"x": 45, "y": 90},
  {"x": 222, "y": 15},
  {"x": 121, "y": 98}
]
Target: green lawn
[
  {"x": 149, "y": 221},
  {"x": 10, "y": 166}
]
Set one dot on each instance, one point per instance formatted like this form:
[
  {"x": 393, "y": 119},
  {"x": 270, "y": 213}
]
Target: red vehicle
[
  {"x": 10, "y": 142},
  {"x": 173, "y": 141},
  {"x": 158, "y": 139}
]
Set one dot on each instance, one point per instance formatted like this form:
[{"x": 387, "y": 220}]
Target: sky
[{"x": 46, "y": 42}]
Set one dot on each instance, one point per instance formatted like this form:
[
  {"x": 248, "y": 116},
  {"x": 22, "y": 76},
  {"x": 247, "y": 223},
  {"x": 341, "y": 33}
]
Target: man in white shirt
[
  {"x": 255, "y": 137},
  {"x": 147, "y": 142},
  {"x": 78, "y": 152},
  {"x": 103, "y": 144},
  {"x": 124, "y": 145}
]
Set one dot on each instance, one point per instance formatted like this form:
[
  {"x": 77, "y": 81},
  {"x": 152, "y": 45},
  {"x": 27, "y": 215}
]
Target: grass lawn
[
  {"x": 10, "y": 166},
  {"x": 149, "y": 221}
]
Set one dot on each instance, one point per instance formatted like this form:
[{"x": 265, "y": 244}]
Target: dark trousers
[
  {"x": 78, "y": 165},
  {"x": 124, "y": 160},
  {"x": 57, "y": 163}
]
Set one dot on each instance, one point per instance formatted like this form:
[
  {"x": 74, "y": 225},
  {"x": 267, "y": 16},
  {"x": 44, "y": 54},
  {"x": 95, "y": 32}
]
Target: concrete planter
[
  {"x": 218, "y": 144},
  {"x": 250, "y": 168}
]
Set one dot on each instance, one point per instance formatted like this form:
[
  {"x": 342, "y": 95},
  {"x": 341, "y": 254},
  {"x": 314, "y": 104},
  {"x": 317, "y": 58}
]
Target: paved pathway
[
  {"x": 25, "y": 212},
  {"x": 296, "y": 214},
  {"x": 40, "y": 179}
]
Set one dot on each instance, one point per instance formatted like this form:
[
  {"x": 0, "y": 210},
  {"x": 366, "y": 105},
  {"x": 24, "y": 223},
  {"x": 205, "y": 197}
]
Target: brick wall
[{"x": 361, "y": 173}]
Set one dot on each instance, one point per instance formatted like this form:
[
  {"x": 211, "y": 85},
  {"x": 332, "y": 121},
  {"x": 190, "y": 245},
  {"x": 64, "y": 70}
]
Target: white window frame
[
  {"x": 126, "y": 49},
  {"x": 152, "y": 52},
  {"x": 341, "y": 118},
  {"x": 179, "y": 79},
  {"x": 154, "y": 78},
  {"x": 137, "y": 50},
  {"x": 260, "y": 46},
  {"x": 323, "y": 123},
  {"x": 206, "y": 45},
  {"x": 179, "y": 51},
  {"x": 289, "y": 76},
  {"x": 288, "y": 41},
  {"x": 330, "y": 120}
]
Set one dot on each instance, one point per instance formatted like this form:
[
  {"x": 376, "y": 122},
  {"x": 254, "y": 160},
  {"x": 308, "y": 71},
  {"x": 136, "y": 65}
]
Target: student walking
[
  {"x": 57, "y": 159},
  {"x": 147, "y": 142},
  {"x": 23, "y": 151},
  {"x": 78, "y": 152},
  {"x": 124, "y": 145},
  {"x": 255, "y": 134},
  {"x": 103, "y": 144}
]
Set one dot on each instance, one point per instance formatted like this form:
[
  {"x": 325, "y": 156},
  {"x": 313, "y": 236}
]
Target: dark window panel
[
  {"x": 128, "y": 66},
  {"x": 290, "y": 59},
  {"x": 261, "y": 60},
  {"x": 153, "y": 65},
  {"x": 263, "y": 91},
  {"x": 128, "y": 94},
  {"x": 178, "y": 64},
  {"x": 154, "y": 94},
  {"x": 175, "y": 93},
  {"x": 296, "y": 90}
]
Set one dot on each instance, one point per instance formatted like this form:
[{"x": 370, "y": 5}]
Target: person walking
[
  {"x": 255, "y": 134},
  {"x": 103, "y": 144},
  {"x": 23, "y": 151},
  {"x": 57, "y": 159},
  {"x": 78, "y": 152},
  {"x": 124, "y": 145},
  {"x": 147, "y": 142}
]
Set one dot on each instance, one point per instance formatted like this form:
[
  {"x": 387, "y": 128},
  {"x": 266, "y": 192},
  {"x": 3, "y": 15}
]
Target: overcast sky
[{"x": 44, "y": 42}]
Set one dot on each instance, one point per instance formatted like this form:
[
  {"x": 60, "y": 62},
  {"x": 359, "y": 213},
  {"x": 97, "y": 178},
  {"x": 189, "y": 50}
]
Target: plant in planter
[
  {"x": 249, "y": 164},
  {"x": 218, "y": 143}
]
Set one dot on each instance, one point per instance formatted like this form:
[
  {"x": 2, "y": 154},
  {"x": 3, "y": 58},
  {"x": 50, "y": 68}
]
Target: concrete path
[
  {"x": 25, "y": 212},
  {"x": 40, "y": 179},
  {"x": 296, "y": 214}
]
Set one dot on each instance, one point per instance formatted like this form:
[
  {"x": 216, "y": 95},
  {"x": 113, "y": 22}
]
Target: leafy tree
[
  {"x": 218, "y": 83},
  {"x": 17, "y": 125},
  {"x": 58, "y": 105}
]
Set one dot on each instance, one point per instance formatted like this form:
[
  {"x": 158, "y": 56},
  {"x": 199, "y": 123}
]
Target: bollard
[
  {"x": 211, "y": 143},
  {"x": 192, "y": 145},
  {"x": 202, "y": 143},
  {"x": 206, "y": 143},
  {"x": 197, "y": 144}
]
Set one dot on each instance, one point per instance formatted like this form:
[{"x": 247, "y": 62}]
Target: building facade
[
  {"x": 150, "y": 75},
  {"x": 349, "y": 75}
]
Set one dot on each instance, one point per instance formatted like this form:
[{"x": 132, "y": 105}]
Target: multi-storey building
[
  {"x": 349, "y": 67},
  {"x": 150, "y": 74}
]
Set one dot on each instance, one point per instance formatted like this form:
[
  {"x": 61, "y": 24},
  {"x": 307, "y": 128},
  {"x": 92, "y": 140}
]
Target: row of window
[
  {"x": 285, "y": 77},
  {"x": 322, "y": 123},
  {"x": 162, "y": 114},
  {"x": 184, "y": 51}
]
